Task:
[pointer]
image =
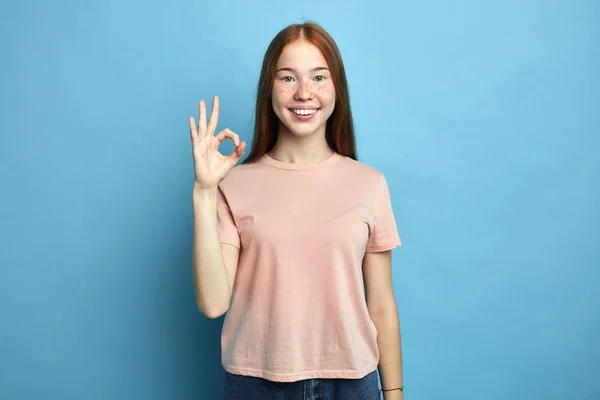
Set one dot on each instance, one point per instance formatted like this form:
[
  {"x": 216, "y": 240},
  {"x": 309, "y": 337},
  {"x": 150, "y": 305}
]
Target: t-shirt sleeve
[
  {"x": 226, "y": 227},
  {"x": 383, "y": 232}
]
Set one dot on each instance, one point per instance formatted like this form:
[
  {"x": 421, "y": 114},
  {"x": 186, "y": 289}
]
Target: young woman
[{"x": 288, "y": 242}]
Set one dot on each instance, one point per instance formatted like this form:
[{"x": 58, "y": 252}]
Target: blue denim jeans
[{"x": 238, "y": 387}]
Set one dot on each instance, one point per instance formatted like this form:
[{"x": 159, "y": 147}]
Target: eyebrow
[{"x": 293, "y": 70}]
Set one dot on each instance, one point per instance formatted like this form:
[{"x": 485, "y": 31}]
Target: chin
[
  {"x": 302, "y": 133},
  {"x": 305, "y": 128},
  {"x": 306, "y": 131}
]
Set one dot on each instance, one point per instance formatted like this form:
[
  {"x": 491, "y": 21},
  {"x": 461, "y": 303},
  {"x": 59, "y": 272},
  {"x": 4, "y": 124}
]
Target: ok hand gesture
[{"x": 210, "y": 166}]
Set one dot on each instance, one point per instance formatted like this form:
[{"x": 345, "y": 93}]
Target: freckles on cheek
[
  {"x": 325, "y": 91},
  {"x": 283, "y": 92}
]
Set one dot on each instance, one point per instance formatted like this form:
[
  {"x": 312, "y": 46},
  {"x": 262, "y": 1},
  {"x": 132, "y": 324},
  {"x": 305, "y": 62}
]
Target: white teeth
[{"x": 304, "y": 112}]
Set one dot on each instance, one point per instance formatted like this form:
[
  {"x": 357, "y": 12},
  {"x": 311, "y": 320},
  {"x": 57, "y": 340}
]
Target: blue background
[{"x": 484, "y": 117}]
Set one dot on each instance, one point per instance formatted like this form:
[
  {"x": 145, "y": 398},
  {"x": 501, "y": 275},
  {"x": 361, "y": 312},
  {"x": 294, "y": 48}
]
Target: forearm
[
  {"x": 211, "y": 282},
  {"x": 390, "y": 352}
]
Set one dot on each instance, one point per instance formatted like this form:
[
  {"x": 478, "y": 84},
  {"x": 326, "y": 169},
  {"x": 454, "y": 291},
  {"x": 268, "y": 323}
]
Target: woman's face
[{"x": 303, "y": 95}]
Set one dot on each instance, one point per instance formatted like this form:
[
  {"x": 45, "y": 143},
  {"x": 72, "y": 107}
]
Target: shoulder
[
  {"x": 241, "y": 175},
  {"x": 361, "y": 172}
]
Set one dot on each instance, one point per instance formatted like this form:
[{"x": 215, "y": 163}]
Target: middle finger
[
  {"x": 202, "y": 119},
  {"x": 214, "y": 116}
]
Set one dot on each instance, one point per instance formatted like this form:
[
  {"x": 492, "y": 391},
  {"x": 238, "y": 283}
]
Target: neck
[{"x": 301, "y": 149}]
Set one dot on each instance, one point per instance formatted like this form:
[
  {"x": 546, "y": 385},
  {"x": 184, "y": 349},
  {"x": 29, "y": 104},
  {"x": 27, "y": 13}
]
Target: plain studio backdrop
[{"x": 483, "y": 115}]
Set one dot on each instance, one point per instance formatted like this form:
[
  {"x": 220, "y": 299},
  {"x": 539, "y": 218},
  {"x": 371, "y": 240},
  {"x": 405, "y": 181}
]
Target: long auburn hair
[{"x": 340, "y": 126}]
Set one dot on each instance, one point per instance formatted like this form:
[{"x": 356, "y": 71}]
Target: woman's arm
[
  {"x": 214, "y": 264},
  {"x": 377, "y": 272}
]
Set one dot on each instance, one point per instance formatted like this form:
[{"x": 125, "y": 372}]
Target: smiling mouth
[{"x": 304, "y": 112}]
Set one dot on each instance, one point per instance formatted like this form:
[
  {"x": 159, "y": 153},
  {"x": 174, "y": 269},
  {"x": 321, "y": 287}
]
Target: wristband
[{"x": 401, "y": 388}]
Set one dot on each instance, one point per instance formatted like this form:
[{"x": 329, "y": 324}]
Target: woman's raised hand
[{"x": 210, "y": 166}]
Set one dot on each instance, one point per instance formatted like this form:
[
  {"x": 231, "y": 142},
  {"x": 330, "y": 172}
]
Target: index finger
[{"x": 214, "y": 116}]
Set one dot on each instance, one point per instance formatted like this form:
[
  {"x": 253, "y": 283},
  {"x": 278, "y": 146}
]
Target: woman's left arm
[{"x": 377, "y": 272}]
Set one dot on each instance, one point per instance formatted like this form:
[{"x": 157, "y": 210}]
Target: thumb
[{"x": 237, "y": 153}]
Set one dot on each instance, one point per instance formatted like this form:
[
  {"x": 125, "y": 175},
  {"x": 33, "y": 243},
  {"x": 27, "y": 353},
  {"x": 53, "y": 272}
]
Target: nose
[{"x": 304, "y": 91}]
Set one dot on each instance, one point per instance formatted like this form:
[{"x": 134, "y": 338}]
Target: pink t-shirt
[{"x": 298, "y": 308}]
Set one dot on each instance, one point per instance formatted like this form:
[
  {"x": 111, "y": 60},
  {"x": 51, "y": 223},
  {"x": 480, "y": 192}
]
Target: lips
[
  {"x": 304, "y": 117},
  {"x": 304, "y": 110}
]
